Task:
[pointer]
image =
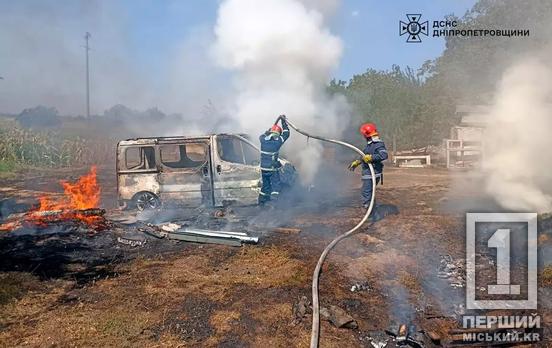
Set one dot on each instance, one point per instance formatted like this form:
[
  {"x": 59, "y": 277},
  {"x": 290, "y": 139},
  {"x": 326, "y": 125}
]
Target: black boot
[{"x": 262, "y": 200}]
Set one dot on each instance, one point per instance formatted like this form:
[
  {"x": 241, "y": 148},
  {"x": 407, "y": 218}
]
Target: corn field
[{"x": 50, "y": 149}]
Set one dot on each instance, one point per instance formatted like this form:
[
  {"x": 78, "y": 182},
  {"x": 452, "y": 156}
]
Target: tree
[{"x": 39, "y": 117}]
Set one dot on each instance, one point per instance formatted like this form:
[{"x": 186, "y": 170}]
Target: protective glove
[
  {"x": 353, "y": 165},
  {"x": 367, "y": 158}
]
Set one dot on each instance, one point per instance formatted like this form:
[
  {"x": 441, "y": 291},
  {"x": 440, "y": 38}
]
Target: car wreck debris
[
  {"x": 287, "y": 230},
  {"x": 338, "y": 317},
  {"x": 360, "y": 286},
  {"x": 452, "y": 270},
  {"x": 377, "y": 339},
  {"x": 300, "y": 310},
  {"x": 405, "y": 337},
  {"x": 131, "y": 242},
  {"x": 176, "y": 231}
]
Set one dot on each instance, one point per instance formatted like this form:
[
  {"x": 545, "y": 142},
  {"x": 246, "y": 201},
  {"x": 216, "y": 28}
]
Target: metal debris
[
  {"x": 300, "y": 310},
  {"x": 361, "y": 286},
  {"x": 170, "y": 227},
  {"x": 131, "y": 242},
  {"x": 453, "y": 271},
  {"x": 287, "y": 230},
  {"x": 405, "y": 336},
  {"x": 176, "y": 231},
  {"x": 377, "y": 339},
  {"x": 402, "y": 334},
  {"x": 338, "y": 317}
]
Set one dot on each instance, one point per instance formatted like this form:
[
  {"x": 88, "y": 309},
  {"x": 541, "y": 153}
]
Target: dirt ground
[{"x": 100, "y": 293}]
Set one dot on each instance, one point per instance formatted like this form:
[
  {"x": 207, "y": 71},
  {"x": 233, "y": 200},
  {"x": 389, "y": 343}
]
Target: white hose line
[{"x": 315, "y": 332}]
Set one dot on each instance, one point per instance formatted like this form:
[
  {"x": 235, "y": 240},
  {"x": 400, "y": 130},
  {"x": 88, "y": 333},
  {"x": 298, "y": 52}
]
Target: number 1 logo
[{"x": 501, "y": 241}]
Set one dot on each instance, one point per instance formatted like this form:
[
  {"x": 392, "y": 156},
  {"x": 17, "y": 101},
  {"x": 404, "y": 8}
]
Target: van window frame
[
  {"x": 122, "y": 163},
  {"x": 242, "y": 143},
  {"x": 202, "y": 143}
]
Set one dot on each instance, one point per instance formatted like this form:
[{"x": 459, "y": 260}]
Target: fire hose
[{"x": 315, "y": 331}]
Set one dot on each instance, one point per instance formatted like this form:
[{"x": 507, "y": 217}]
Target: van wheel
[{"x": 146, "y": 201}]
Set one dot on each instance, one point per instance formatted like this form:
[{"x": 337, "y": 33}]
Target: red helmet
[
  {"x": 368, "y": 130},
  {"x": 276, "y": 129}
]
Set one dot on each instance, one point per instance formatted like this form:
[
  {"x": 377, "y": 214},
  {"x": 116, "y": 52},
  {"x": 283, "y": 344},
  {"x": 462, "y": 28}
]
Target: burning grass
[
  {"x": 79, "y": 202},
  {"x": 83, "y": 195}
]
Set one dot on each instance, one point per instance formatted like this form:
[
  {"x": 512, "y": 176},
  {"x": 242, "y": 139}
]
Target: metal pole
[{"x": 86, "y": 37}]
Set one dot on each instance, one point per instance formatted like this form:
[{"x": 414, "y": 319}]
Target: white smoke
[
  {"x": 517, "y": 153},
  {"x": 283, "y": 55}
]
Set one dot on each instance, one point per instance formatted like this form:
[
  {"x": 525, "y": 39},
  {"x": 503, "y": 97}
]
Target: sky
[
  {"x": 142, "y": 49},
  {"x": 368, "y": 28}
]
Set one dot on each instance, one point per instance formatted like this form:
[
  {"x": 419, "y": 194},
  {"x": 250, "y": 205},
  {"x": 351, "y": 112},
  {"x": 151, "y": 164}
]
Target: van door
[
  {"x": 185, "y": 172},
  {"x": 236, "y": 176},
  {"x": 136, "y": 172}
]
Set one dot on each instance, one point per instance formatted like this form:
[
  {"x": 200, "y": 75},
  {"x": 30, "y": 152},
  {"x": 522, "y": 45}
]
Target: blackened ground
[{"x": 73, "y": 250}]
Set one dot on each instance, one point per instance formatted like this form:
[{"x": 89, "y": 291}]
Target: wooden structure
[
  {"x": 412, "y": 161},
  {"x": 464, "y": 148}
]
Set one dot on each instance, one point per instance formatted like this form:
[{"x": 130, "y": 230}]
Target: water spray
[{"x": 315, "y": 331}]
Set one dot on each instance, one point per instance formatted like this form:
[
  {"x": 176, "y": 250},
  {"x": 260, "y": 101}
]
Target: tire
[{"x": 146, "y": 201}]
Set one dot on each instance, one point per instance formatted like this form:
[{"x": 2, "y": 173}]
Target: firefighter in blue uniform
[
  {"x": 271, "y": 142},
  {"x": 375, "y": 153}
]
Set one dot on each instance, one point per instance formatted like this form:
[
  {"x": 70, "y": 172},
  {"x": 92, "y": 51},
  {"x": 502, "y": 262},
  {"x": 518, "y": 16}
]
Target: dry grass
[
  {"x": 125, "y": 311},
  {"x": 410, "y": 282},
  {"x": 265, "y": 268},
  {"x": 13, "y": 285}
]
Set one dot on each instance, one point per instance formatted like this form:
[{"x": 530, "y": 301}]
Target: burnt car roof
[{"x": 170, "y": 139}]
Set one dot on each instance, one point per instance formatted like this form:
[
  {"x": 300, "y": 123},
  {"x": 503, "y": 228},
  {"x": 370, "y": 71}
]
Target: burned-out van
[{"x": 212, "y": 170}]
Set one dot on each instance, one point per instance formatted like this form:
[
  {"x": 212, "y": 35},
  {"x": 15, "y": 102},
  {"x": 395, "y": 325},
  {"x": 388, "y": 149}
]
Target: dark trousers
[
  {"x": 271, "y": 185},
  {"x": 366, "y": 192}
]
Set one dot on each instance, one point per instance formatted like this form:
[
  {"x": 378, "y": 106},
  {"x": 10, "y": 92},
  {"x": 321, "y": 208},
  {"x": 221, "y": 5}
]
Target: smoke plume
[
  {"x": 518, "y": 141},
  {"x": 282, "y": 54}
]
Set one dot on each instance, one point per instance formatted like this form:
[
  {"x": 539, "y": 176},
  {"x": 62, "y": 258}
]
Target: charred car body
[{"x": 211, "y": 170}]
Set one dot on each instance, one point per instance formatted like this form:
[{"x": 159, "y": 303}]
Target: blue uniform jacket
[
  {"x": 376, "y": 148},
  {"x": 270, "y": 147}
]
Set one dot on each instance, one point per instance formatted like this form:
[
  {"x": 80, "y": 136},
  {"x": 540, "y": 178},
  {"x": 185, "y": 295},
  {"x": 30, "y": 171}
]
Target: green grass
[
  {"x": 47, "y": 148},
  {"x": 7, "y": 166},
  {"x": 8, "y": 169}
]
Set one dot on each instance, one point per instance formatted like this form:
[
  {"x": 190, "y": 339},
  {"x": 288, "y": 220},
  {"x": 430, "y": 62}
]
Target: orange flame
[{"x": 83, "y": 194}]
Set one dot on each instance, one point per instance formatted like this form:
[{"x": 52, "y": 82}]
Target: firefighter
[
  {"x": 375, "y": 153},
  {"x": 271, "y": 142}
]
